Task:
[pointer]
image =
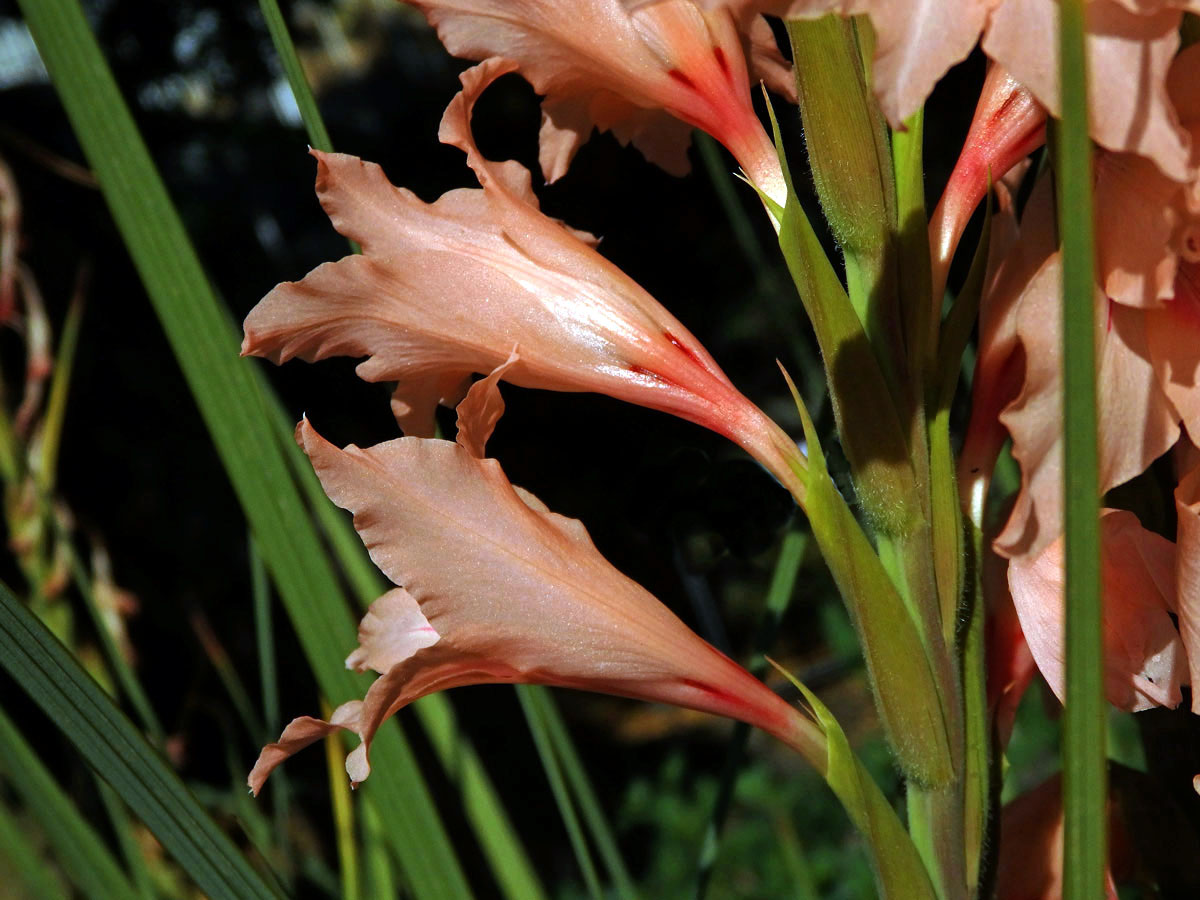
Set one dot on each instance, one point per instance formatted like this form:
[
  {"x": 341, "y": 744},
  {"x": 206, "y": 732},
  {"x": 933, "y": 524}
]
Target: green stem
[{"x": 1084, "y": 771}]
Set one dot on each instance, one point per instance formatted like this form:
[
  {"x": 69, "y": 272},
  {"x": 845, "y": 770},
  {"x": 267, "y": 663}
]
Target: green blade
[
  {"x": 237, "y": 419},
  {"x": 113, "y": 747},
  {"x": 1084, "y": 770},
  {"x": 22, "y": 865}
]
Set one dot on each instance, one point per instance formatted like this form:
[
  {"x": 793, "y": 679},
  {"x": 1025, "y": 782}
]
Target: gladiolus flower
[
  {"x": 647, "y": 75},
  {"x": 445, "y": 290},
  {"x": 496, "y": 588}
]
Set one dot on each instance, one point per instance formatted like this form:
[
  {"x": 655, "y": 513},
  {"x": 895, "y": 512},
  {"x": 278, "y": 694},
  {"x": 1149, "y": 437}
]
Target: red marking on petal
[
  {"x": 1108, "y": 323},
  {"x": 712, "y": 691},
  {"x": 682, "y": 79},
  {"x": 721, "y": 60}
]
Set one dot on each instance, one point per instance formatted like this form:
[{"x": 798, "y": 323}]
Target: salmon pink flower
[
  {"x": 648, "y": 75},
  {"x": 444, "y": 290},
  {"x": 495, "y": 588}
]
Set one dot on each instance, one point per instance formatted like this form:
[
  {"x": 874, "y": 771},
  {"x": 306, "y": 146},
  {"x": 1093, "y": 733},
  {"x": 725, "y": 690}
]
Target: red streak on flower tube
[
  {"x": 687, "y": 352},
  {"x": 682, "y": 79},
  {"x": 721, "y": 60}
]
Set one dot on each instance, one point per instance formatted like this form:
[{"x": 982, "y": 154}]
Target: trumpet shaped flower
[
  {"x": 444, "y": 290},
  {"x": 492, "y": 587},
  {"x": 648, "y": 75}
]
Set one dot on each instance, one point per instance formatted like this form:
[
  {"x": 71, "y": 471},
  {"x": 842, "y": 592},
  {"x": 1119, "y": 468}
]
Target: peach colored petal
[
  {"x": 1030, "y": 864},
  {"x": 1128, "y": 58},
  {"x": 1143, "y": 655},
  {"x": 1146, "y": 222},
  {"x": 392, "y": 630},
  {"x": 1134, "y": 224},
  {"x": 1015, "y": 255},
  {"x": 601, "y": 64},
  {"x": 1187, "y": 509},
  {"x": 1137, "y": 422},
  {"x": 1173, "y": 336},
  {"x": 766, "y": 63},
  {"x": 444, "y": 290},
  {"x": 481, "y": 409},
  {"x": 299, "y": 734},
  {"x": 514, "y": 593}
]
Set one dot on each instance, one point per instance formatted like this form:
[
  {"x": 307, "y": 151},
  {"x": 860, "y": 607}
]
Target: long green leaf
[
  {"x": 558, "y": 786},
  {"x": 113, "y": 747},
  {"x": 24, "y": 864},
  {"x": 85, "y": 859},
  {"x": 585, "y": 794},
  {"x": 237, "y": 419},
  {"x": 1084, "y": 771},
  {"x": 318, "y": 136}
]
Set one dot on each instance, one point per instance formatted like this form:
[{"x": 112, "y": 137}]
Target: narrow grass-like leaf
[
  {"x": 127, "y": 680},
  {"x": 558, "y": 786},
  {"x": 228, "y": 397},
  {"x": 305, "y": 102},
  {"x": 779, "y": 596},
  {"x": 1084, "y": 770},
  {"x": 343, "y": 811},
  {"x": 102, "y": 734},
  {"x": 377, "y": 867},
  {"x": 29, "y": 876},
  {"x": 264, "y": 635},
  {"x": 584, "y": 793},
  {"x": 84, "y": 858},
  {"x": 122, "y": 825}
]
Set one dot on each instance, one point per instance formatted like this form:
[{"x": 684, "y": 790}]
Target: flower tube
[{"x": 444, "y": 290}]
